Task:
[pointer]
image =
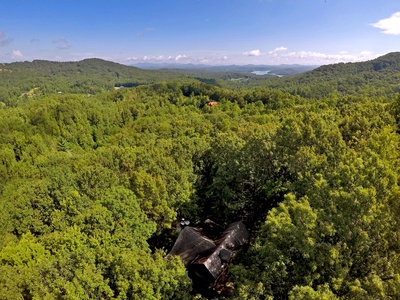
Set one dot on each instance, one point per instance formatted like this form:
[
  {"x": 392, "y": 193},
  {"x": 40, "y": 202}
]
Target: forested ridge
[
  {"x": 378, "y": 77},
  {"x": 93, "y": 185},
  {"x": 90, "y": 76}
]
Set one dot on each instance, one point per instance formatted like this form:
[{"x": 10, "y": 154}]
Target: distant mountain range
[
  {"x": 273, "y": 69},
  {"x": 97, "y": 75}
]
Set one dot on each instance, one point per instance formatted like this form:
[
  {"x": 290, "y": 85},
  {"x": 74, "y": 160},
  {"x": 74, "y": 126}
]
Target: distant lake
[
  {"x": 261, "y": 72},
  {"x": 265, "y": 73}
]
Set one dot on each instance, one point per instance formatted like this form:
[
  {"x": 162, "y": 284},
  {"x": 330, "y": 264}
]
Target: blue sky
[{"x": 199, "y": 31}]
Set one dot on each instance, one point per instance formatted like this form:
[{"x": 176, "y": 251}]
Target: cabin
[
  {"x": 190, "y": 244},
  {"x": 206, "y": 259}
]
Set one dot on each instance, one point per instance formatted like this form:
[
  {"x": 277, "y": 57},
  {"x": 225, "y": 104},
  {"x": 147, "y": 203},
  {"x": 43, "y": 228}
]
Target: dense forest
[{"x": 94, "y": 180}]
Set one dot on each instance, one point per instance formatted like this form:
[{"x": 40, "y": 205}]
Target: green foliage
[
  {"x": 306, "y": 292},
  {"x": 92, "y": 186},
  {"x": 375, "y": 78},
  {"x": 337, "y": 238}
]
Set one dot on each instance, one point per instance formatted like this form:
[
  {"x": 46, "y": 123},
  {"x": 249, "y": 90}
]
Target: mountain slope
[
  {"x": 378, "y": 77},
  {"x": 87, "y": 76}
]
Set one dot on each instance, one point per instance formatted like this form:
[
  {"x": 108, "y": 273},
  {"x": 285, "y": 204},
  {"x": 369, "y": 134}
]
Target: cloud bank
[
  {"x": 180, "y": 58},
  {"x": 389, "y": 25},
  {"x": 282, "y": 55},
  {"x": 279, "y": 55}
]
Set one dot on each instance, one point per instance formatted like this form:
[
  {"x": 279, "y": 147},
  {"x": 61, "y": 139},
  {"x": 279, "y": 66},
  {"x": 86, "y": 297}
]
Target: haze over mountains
[{"x": 277, "y": 69}]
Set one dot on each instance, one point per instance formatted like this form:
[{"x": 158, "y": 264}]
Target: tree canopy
[{"x": 93, "y": 187}]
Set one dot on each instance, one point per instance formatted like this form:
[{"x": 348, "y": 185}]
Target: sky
[{"x": 211, "y": 32}]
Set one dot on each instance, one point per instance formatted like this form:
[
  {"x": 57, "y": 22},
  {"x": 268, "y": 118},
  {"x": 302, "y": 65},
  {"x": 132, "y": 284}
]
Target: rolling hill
[
  {"x": 378, "y": 77},
  {"x": 86, "y": 76},
  {"x": 381, "y": 75}
]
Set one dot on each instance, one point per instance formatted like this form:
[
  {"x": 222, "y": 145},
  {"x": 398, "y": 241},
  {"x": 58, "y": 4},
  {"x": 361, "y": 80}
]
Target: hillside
[
  {"x": 89, "y": 76},
  {"x": 92, "y": 76},
  {"x": 378, "y": 77}
]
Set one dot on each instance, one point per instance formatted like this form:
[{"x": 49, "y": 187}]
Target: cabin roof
[
  {"x": 206, "y": 259},
  {"x": 190, "y": 244},
  {"x": 234, "y": 236}
]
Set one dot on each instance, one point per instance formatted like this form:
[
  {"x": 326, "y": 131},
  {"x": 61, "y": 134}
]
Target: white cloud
[
  {"x": 366, "y": 53},
  {"x": 252, "y": 53},
  {"x": 16, "y": 54},
  {"x": 281, "y": 55},
  {"x": 278, "y": 55},
  {"x": 61, "y": 43},
  {"x": 154, "y": 58},
  {"x": 389, "y": 25},
  {"x": 311, "y": 57},
  {"x": 180, "y": 57},
  {"x": 276, "y": 51},
  {"x": 212, "y": 59},
  {"x": 209, "y": 60}
]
